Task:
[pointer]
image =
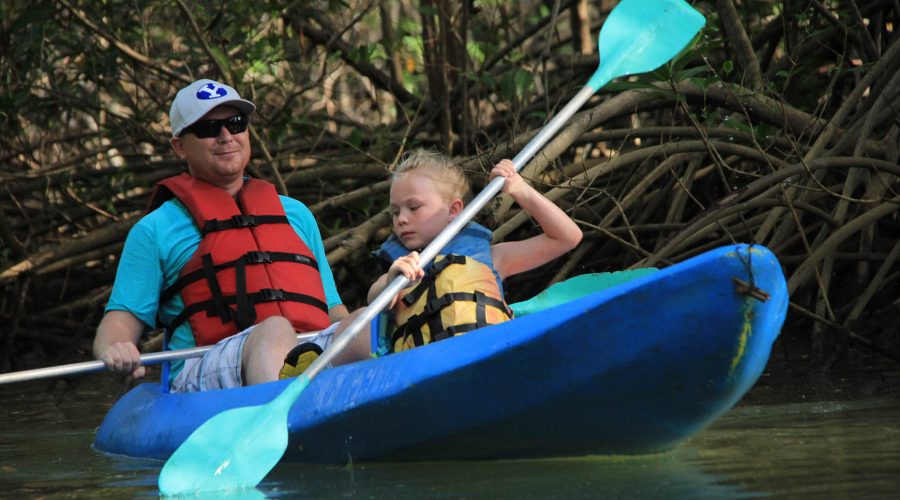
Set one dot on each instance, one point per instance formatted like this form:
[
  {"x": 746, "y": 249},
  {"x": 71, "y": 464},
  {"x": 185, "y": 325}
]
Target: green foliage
[
  {"x": 427, "y": 10},
  {"x": 515, "y": 84},
  {"x": 728, "y": 66},
  {"x": 476, "y": 52},
  {"x": 85, "y": 89}
]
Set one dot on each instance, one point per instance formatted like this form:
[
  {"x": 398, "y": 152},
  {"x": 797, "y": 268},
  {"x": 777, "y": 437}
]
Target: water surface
[{"x": 773, "y": 444}]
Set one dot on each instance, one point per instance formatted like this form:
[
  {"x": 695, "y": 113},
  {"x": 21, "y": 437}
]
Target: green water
[{"x": 775, "y": 444}]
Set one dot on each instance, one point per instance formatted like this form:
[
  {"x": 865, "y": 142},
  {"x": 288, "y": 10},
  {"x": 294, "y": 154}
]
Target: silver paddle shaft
[
  {"x": 98, "y": 366},
  {"x": 431, "y": 251}
]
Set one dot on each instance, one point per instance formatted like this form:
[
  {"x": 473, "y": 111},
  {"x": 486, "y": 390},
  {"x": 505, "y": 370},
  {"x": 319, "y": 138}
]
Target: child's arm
[
  {"x": 560, "y": 235},
  {"x": 408, "y": 266}
]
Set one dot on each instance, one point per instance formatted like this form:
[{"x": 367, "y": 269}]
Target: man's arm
[{"x": 116, "y": 343}]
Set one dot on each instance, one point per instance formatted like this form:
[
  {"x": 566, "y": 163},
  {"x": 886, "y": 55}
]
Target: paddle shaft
[
  {"x": 616, "y": 65},
  {"x": 431, "y": 251},
  {"x": 674, "y": 24},
  {"x": 98, "y": 366},
  {"x": 207, "y": 460}
]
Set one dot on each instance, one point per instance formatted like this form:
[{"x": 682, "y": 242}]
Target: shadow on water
[
  {"x": 827, "y": 445},
  {"x": 660, "y": 476}
]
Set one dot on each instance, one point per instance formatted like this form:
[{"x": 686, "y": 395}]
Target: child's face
[{"x": 418, "y": 211}]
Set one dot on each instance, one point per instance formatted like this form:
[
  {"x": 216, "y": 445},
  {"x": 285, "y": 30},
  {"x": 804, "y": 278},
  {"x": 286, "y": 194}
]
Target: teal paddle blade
[
  {"x": 642, "y": 35},
  {"x": 233, "y": 450},
  {"x": 576, "y": 287}
]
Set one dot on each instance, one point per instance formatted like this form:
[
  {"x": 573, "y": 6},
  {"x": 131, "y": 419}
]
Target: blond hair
[{"x": 447, "y": 175}]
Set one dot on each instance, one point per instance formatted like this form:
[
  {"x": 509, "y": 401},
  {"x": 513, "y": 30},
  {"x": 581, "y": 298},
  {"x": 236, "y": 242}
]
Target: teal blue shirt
[{"x": 162, "y": 242}]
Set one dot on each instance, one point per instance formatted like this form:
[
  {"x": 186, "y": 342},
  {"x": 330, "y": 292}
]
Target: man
[{"x": 220, "y": 259}]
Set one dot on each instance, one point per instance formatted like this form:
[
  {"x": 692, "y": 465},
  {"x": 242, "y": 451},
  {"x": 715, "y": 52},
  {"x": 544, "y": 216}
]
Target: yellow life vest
[{"x": 457, "y": 294}]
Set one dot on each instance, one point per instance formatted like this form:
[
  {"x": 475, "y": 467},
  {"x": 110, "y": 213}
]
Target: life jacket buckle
[
  {"x": 435, "y": 305},
  {"x": 257, "y": 257},
  {"x": 271, "y": 294},
  {"x": 243, "y": 220}
]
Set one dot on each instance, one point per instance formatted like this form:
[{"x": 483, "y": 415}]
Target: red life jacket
[{"x": 250, "y": 264}]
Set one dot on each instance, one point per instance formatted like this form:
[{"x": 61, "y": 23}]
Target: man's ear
[
  {"x": 456, "y": 206},
  {"x": 177, "y": 146}
]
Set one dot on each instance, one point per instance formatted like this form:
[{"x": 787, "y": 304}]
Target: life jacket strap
[
  {"x": 245, "y": 315},
  {"x": 263, "y": 295},
  {"x": 430, "y": 276},
  {"x": 456, "y": 330},
  {"x": 431, "y": 315},
  {"x": 218, "y": 302},
  {"x": 254, "y": 257},
  {"x": 241, "y": 221}
]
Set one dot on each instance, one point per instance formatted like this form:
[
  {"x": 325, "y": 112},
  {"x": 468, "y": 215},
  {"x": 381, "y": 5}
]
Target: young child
[{"x": 462, "y": 289}]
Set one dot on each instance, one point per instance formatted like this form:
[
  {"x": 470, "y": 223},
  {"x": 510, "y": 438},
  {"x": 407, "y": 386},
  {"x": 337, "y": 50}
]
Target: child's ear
[{"x": 456, "y": 207}]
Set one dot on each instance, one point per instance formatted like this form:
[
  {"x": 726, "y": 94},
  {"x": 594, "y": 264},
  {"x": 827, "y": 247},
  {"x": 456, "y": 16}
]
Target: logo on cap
[{"x": 211, "y": 91}]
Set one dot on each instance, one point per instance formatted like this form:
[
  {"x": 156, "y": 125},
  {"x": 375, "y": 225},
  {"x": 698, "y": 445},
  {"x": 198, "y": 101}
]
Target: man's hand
[
  {"x": 123, "y": 358},
  {"x": 116, "y": 343}
]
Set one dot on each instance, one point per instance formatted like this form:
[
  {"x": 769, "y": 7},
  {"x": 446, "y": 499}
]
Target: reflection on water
[
  {"x": 824, "y": 449},
  {"x": 814, "y": 450}
]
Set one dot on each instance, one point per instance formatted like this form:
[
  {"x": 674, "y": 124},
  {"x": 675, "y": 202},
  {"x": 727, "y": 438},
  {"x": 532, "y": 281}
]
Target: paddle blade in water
[
  {"x": 642, "y": 35},
  {"x": 233, "y": 450}
]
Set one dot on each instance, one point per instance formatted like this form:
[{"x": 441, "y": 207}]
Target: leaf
[
  {"x": 33, "y": 16},
  {"x": 689, "y": 73},
  {"x": 524, "y": 81},
  {"x": 475, "y": 52},
  {"x": 355, "y": 138},
  {"x": 728, "y": 66},
  {"x": 221, "y": 59},
  {"x": 705, "y": 83},
  {"x": 426, "y": 10}
]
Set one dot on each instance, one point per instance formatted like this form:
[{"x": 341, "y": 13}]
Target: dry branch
[{"x": 797, "y": 150}]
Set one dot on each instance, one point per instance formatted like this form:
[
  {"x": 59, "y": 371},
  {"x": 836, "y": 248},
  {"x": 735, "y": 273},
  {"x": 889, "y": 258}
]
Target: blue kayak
[{"x": 630, "y": 369}]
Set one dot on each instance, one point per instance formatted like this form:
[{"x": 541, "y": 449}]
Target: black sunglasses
[{"x": 205, "y": 129}]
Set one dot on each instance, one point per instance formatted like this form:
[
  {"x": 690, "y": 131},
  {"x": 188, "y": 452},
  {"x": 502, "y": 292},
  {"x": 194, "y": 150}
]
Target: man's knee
[
  {"x": 274, "y": 323},
  {"x": 267, "y": 344},
  {"x": 273, "y": 329},
  {"x": 360, "y": 347}
]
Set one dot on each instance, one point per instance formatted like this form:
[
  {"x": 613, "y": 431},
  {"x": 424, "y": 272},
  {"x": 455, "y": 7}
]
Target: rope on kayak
[{"x": 744, "y": 288}]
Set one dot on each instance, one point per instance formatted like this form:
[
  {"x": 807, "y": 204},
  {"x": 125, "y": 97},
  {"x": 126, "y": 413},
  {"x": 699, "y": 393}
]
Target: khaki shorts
[{"x": 220, "y": 366}]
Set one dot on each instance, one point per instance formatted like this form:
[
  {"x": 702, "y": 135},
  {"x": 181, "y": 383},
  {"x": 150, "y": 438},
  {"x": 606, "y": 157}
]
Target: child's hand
[
  {"x": 408, "y": 266},
  {"x": 514, "y": 184}
]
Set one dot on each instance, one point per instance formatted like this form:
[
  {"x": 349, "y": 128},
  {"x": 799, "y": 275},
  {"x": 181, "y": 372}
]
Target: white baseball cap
[{"x": 199, "y": 98}]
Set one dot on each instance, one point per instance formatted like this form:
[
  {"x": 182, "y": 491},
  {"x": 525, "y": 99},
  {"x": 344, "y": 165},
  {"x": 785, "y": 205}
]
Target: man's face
[{"x": 218, "y": 160}]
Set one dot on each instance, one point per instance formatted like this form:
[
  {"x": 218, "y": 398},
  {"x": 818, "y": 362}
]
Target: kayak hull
[{"x": 633, "y": 369}]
